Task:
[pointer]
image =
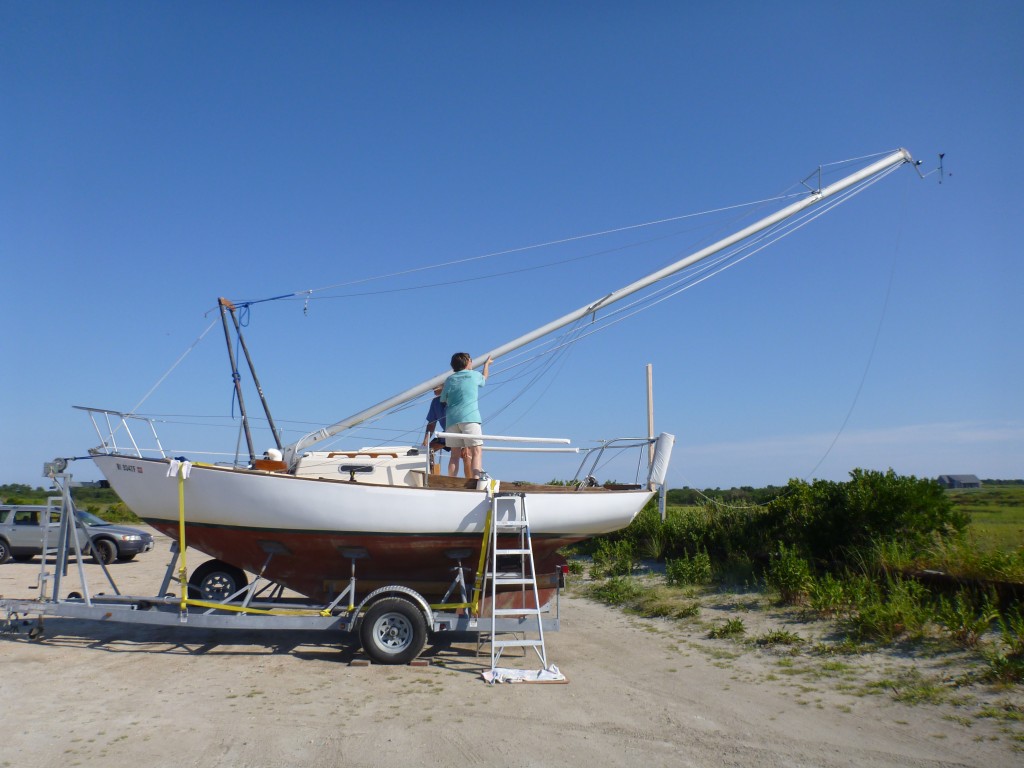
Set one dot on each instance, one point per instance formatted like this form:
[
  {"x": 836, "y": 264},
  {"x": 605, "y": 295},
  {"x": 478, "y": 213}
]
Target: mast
[
  {"x": 899, "y": 157},
  {"x": 226, "y": 305}
]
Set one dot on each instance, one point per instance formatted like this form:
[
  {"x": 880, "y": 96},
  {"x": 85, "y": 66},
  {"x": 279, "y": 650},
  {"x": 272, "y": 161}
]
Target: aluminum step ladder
[{"x": 510, "y": 564}]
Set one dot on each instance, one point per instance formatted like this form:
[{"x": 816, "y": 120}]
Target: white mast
[{"x": 896, "y": 158}]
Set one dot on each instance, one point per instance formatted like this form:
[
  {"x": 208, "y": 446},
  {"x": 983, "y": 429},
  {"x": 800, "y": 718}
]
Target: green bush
[
  {"x": 789, "y": 575},
  {"x": 689, "y": 570},
  {"x": 613, "y": 558},
  {"x": 828, "y": 520}
]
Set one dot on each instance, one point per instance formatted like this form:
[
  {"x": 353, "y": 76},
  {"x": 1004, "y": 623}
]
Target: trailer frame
[{"x": 399, "y": 632}]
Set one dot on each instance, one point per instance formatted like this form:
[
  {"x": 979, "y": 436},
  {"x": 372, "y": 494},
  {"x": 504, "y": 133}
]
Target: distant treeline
[{"x": 20, "y": 493}]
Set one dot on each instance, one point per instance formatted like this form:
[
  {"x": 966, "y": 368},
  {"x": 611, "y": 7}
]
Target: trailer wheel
[
  {"x": 393, "y": 631},
  {"x": 216, "y": 580}
]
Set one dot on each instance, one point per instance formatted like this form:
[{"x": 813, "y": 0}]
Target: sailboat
[{"x": 304, "y": 518}]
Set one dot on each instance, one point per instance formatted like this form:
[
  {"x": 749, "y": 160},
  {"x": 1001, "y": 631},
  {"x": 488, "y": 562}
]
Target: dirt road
[{"x": 640, "y": 692}]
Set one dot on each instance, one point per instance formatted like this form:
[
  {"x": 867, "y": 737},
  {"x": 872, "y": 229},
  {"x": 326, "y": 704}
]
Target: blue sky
[{"x": 159, "y": 155}]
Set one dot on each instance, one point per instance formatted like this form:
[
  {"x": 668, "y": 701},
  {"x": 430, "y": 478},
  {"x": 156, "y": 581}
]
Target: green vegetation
[
  {"x": 102, "y": 502},
  {"x": 866, "y": 554},
  {"x": 996, "y": 511},
  {"x": 876, "y": 522},
  {"x": 689, "y": 570},
  {"x": 644, "y": 599},
  {"x": 730, "y": 628}
]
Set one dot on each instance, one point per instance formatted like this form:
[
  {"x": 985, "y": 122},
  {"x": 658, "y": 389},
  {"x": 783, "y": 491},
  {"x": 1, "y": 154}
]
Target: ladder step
[
  {"x": 514, "y": 581},
  {"x": 512, "y": 552},
  {"x": 509, "y": 525},
  {"x": 517, "y": 611},
  {"x": 518, "y": 643}
]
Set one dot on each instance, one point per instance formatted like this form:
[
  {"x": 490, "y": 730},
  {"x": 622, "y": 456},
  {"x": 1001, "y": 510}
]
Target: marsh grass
[
  {"x": 645, "y": 598},
  {"x": 996, "y": 512},
  {"x": 962, "y": 556},
  {"x": 778, "y": 637},
  {"x": 965, "y": 617},
  {"x": 729, "y": 628},
  {"x": 890, "y": 610}
]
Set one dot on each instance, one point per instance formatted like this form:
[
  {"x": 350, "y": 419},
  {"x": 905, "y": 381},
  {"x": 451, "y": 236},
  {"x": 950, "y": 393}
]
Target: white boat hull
[{"x": 240, "y": 516}]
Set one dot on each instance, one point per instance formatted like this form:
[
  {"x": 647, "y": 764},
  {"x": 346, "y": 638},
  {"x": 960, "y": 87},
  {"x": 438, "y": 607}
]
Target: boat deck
[{"x": 455, "y": 483}]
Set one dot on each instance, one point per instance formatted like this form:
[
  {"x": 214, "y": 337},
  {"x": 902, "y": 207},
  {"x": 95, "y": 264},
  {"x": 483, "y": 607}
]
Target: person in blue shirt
[
  {"x": 460, "y": 395},
  {"x": 436, "y": 416}
]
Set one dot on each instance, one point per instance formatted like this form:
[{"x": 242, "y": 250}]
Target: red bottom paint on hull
[{"x": 314, "y": 563}]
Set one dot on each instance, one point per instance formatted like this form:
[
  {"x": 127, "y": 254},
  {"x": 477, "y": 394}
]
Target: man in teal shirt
[{"x": 460, "y": 396}]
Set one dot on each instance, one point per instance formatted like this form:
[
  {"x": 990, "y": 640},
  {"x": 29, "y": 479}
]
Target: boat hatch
[{"x": 380, "y": 466}]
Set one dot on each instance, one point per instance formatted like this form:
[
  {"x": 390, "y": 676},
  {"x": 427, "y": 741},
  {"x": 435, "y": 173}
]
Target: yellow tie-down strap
[
  {"x": 265, "y": 611},
  {"x": 449, "y": 606},
  {"x": 181, "y": 469}
]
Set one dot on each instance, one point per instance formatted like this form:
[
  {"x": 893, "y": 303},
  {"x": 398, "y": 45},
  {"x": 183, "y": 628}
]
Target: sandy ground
[{"x": 640, "y": 692}]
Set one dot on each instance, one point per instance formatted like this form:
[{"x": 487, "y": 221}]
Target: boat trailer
[{"x": 392, "y": 622}]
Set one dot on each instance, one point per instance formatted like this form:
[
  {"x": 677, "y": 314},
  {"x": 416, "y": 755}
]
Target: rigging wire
[
  {"x": 874, "y": 342},
  {"x": 863, "y": 378},
  {"x": 306, "y": 293},
  {"x": 175, "y": 365},
  {"x": 688, "y": 280},
  {"x": 530, "y": 357}
]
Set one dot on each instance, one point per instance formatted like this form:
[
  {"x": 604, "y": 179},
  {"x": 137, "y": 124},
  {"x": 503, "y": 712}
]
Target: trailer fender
[{"x": 394, "y": 590}]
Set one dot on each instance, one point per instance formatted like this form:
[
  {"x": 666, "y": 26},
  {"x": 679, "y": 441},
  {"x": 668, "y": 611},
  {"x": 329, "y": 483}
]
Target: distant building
[{"x": 959, "y": 481}]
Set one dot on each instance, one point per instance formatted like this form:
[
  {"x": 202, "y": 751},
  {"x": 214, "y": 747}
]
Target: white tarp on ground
[{"x": 503, "y": 675}]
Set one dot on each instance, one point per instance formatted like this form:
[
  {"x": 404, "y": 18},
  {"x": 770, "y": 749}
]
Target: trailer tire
[
  {"x": 215, "y": 580},
  {"x": 5, "y": 551},
  {"x": 393, "y": 631}
]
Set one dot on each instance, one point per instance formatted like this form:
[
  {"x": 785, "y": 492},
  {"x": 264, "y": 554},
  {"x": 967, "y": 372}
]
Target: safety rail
[
  {"x": 116, "y": 421},
  {"x": 598, "y": 451}
]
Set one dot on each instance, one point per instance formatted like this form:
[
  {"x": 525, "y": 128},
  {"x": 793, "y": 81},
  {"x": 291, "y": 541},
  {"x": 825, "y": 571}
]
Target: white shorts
[{"x": 465, "y": 428}]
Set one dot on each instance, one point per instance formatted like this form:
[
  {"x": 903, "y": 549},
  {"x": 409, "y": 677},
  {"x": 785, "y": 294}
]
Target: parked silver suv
[{"x": 23, "y": 527}]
